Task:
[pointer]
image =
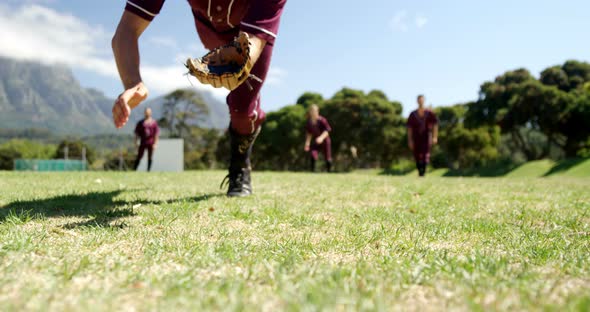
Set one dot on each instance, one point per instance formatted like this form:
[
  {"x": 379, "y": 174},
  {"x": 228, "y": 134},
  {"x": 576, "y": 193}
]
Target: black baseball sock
[{"x": 421, "y": 168}]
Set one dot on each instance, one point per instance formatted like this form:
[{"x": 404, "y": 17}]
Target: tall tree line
[{"x": 517, "y": 117}]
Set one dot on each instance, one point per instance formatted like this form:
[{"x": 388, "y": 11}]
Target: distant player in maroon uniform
[
  {"x": 218, "y": 22},
  {"x": 422, "y": 133},
  {"x": 317, "y": 138},
  {"x": 147, "y": 133}
]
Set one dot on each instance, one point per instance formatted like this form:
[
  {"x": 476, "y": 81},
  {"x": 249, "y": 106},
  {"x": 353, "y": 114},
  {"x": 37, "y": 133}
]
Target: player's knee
[{"x": 245, "y": 124}]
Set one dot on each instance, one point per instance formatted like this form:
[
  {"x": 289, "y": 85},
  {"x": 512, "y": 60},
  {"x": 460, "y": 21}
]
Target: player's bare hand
[
  {"x": 128, "y": 100},
  {"x": 306, "y": 148},
  {"x": 434, "y": 141},
  {"x": 319, "y": 141}
]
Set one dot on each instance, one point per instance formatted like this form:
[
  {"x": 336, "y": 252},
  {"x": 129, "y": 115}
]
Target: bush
[
  {"x": 7, "y": 157},
  {"x": 438, "y": 158},
  {"x": 75, "y": 148},
  {"x": 15, "y": 149},
  {"x": 401, "y": 167},
  {"x": 584, "y": 151},
  {"x": 112, "y": 161}
]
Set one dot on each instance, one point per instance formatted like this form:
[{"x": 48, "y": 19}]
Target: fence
[{"x": 50, "y": 165}]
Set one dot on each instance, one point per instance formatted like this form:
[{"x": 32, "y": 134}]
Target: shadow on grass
[
  {"x": 492, "y": 170},
  {"x": 496, "y": 170},
  {"x": 101, "y": 207},
  {"x": 395, "y": 171},
  {"x": 564, "y": 165}
]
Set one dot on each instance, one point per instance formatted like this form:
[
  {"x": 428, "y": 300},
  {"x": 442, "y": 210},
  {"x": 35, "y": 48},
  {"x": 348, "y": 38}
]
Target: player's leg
[
  {"x": 313, "y": 157},
  {"x": 420, "y": 161},
  {"x": 328, "y": 155},
  {"x": 421, "y": 166},
  {"x": 416, "y": 158},
  {"x": 140, "y": 152},
  {"x": 426, "y": 161},
  {"x": 150, "y": 150},
  {"x": 246, "y": 117}
]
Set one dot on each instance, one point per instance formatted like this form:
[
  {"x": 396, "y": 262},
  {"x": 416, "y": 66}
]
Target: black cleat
[{"x": 238, "y": 182}]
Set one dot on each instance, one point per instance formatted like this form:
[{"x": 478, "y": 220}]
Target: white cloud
[
  {"x": 275, "y": 76},
  {"x": 399, "y": 21},
  {"x": 421, "y": 21},
  {"x": 37, "y": 33}
]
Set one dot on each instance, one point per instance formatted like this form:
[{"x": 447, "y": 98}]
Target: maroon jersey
[
  {"x": 223, "y": 17},
  {"x": 147, "y": 132},
  {"x": 318, "y": 128},
  {"x": 218, "y": 22},
  {"x": 422, "y": 129}
]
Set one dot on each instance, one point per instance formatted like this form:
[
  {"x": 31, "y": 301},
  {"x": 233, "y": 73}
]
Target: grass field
[
  {"x": 568, "y": 168},
  {"x": 133, "y": 241}
]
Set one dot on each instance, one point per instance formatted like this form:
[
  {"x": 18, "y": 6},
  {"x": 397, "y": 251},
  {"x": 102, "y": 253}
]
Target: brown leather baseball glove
[{"x": 227, "y": 66}]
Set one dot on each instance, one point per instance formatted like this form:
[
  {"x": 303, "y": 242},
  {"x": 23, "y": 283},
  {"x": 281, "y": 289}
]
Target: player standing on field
[
  {"x": 217, "y": 22},
  {"x": 317, "y": 138},
  {"x": 147, "y": 133},
  {"x": 422, "y": 134}
]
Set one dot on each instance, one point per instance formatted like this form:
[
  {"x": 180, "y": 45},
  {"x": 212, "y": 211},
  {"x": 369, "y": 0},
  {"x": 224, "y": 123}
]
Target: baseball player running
[{"x": 241, "y": 35}]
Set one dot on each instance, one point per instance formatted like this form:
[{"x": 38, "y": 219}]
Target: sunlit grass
[{"x": 104, "y": 241}]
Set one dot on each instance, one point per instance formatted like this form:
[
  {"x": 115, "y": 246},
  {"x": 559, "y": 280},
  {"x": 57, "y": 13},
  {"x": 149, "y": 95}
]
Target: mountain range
[{"x": 35, "y": 95}]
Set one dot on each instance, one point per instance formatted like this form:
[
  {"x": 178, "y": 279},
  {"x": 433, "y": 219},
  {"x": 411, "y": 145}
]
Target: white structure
[{"x": 168, "y": 156}]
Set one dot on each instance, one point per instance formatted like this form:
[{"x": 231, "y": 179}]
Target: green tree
[
  {"x": 544, "y": 109},
  {"x": 494, "y": 98},
  {"x": 75, "y": 150},
  {"x": 575, "y": 126},
  {"x": 510, "y": 102},
  {"x": 555, "y": 76},
  {"x": 461, "y": 147},
  {"x": 113, "y": 160},
  {"x": 538, "y": 115},
  {"x": 182, "y": 110},
  {"x": 309, "y": 98},
  {"x": 200, "y": 149},
  {"x": 578, "y": 73},
  {"x": 281, "y": 141},
  {"x": 369, "y": 123}
]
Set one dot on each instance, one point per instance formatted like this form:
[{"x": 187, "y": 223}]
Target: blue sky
[{"x": 444, "y": 49}]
